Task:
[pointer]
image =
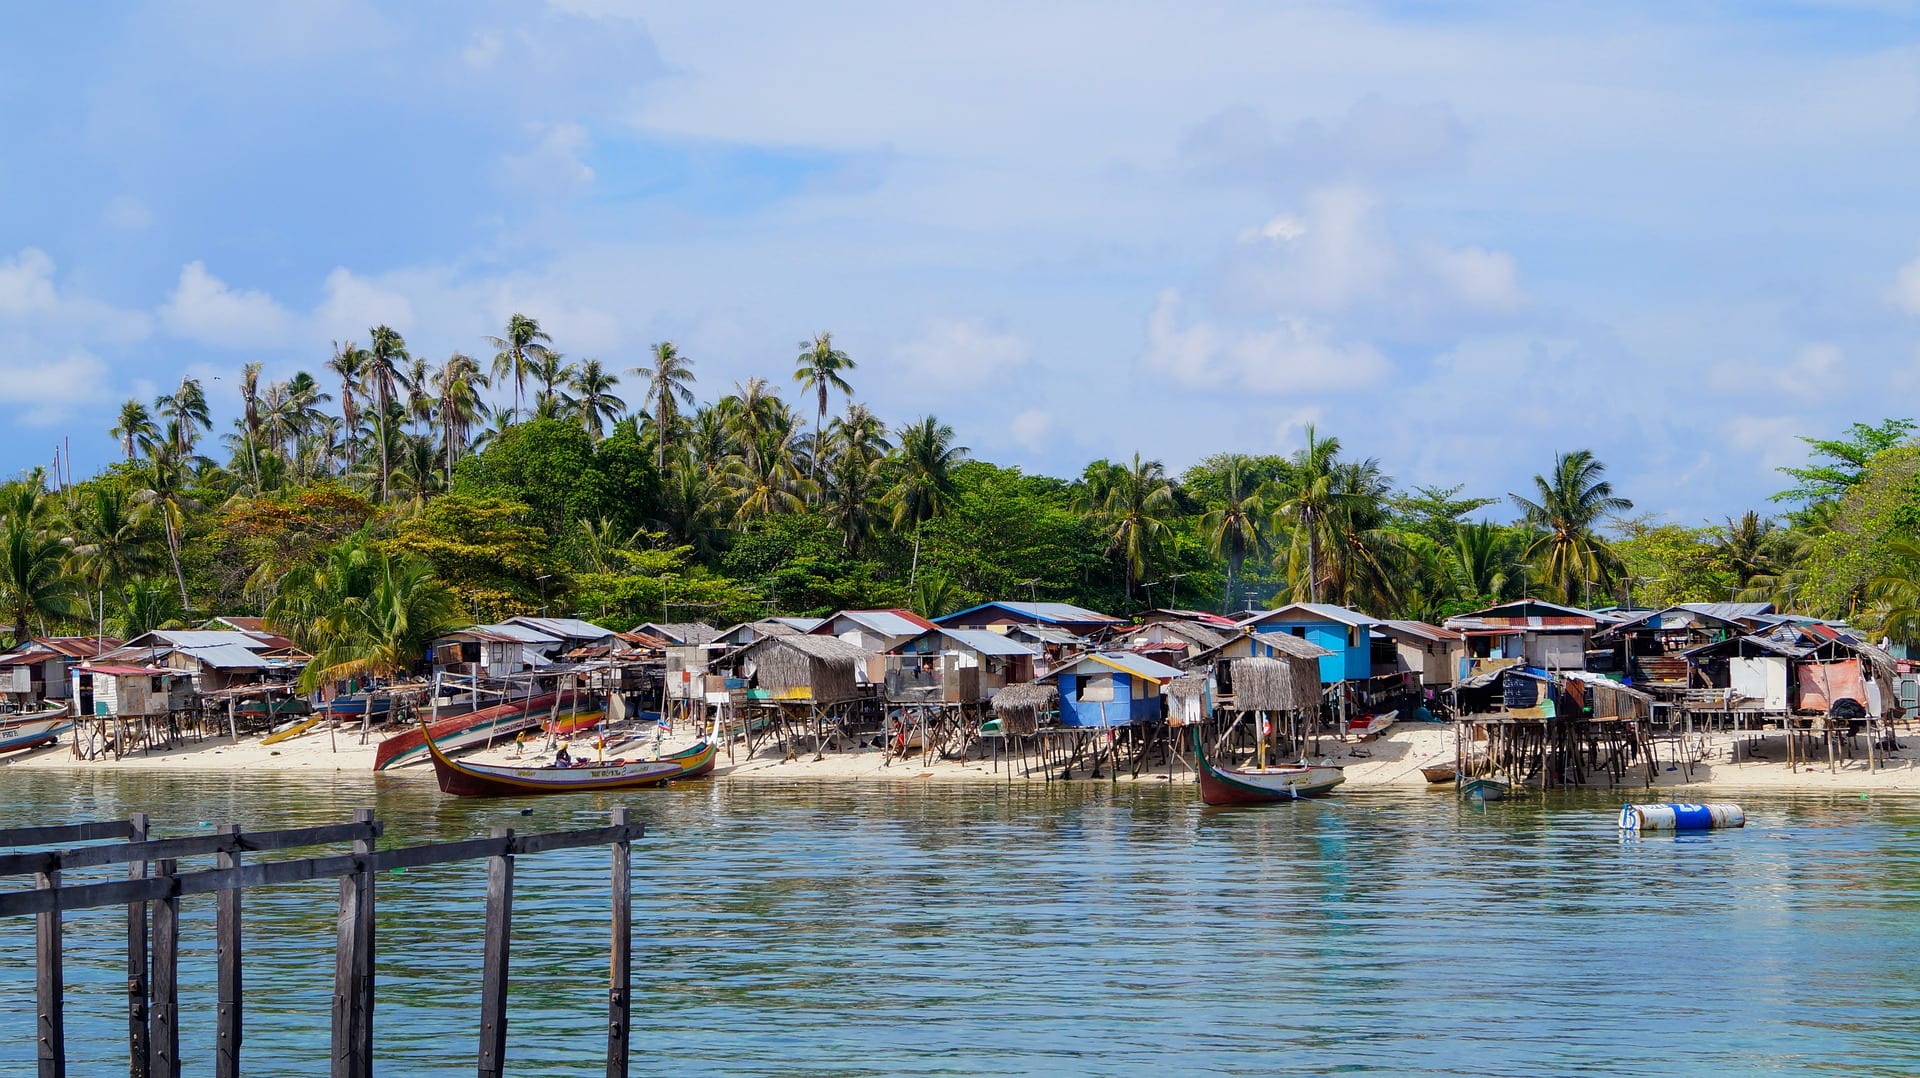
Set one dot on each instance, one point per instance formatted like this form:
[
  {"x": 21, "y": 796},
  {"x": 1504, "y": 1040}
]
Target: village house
[
  {"x": 957, "y": 666},
  {"x": 1111, "y": 688},
  {"x": 876, "y": 631},
  {"x": 1001, "y": 616},
  {"x": 40, "y": 667},
  {"x": 1344, "y": 633},
  {"x": 1530, "y": 632},
  {"x": 1429, "y": 652},
  {"x": 215, "y": 660}
]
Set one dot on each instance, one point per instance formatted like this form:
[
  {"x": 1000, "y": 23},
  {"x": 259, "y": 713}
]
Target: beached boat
[
  {"x": 488, "y": 780},
  {"x": 1484, "y": 789},
  {"x": 359, "y": 704},
  {"x": 476, "y": 728},
  {"x": 1261, "y": 785},
  {"x": 26, "y": 718},
  {"x": 279, "y": 707},
  {"x": 1369, "y": 725},
  {"x": 27, "y": 734},
  {"x": 293, "y": 730},
  {"x": 1438, "y": 773}
]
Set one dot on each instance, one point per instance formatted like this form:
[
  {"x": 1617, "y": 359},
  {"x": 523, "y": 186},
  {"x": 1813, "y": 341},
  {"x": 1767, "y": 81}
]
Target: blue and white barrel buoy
[{"x": 1681, "y": 817}]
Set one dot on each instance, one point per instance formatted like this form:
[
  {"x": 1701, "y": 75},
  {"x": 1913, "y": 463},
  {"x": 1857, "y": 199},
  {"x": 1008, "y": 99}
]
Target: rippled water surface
[{"x": 865, "y": 929}]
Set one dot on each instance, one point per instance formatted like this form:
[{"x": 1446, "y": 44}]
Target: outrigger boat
[
  {"x": 489, "y": 780},
  {"x": 29, "y": 732},
  {"x": 485, "y": 725},
  {"x": 1261, "y": 785}
]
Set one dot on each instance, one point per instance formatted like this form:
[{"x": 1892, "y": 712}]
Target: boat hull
[
  {"x": 486, "y": 780},
  {"x": 482, "y": 726},
  {"x": 1440, "y": 773},
  {"x": 1262, "y": 786},
  {"x": 27, "y": 735}
]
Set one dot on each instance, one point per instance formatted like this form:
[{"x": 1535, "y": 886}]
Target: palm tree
[
  {"x": 146, "y": 605},
  {"x": 1895, "y": 591},
  {"x": 767, "y": 482},
  {"x": 924, "y": 482},
  {"x": 165, "y": 496},
  {"x": 523, "y": 343},
  {"x": 593, "y": 399},
  {"x": 110, "y": 541},
  {"x": 820, "y": 369},
  {"x": 1751, "y": 546},
  {"x": 186, "y": 408},
  {"x": 461, "y": 406},
  {"x": 1235, "y": 527},
  {"x": 1484, "y": 556},
  {"x": 418, "y": 382},
  {"x": 250, "y": 417},
  {"x": 349, "y": 362},
  {"x": 385, "y": 357},
  {"x": 669, "y": 379},
  {"x": 34, "y": 584},
  {"x": 756, "y": 415},
  {"x": 364, "y": 614},
  {"x": 134, "y": 428},
  {"x": 1135, "y": 513},
  {"x": 1308, "y": 505},
  {"x": 1568, "y": 508},
  {"x": 851, "y": 498},
  {"x": 693, "y": 503}
]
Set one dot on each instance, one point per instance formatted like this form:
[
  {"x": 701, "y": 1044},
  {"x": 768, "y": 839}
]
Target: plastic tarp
[
  {"x": 1763, "y": 678},
  {"x": 1823, "y": 683}
]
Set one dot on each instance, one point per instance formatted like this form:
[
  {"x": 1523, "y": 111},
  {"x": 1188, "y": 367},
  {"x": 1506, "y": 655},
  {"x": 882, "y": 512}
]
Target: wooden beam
[
  {"x": 493, "y": 969},
  {"x": 362, "y": 999},
  {"x": 50, "y": 986},
  {"x": 620, "y": 965},
  {"x": 137, "y": 964},
  {"x": 226, "y": 1057},
  {"x": 164, "y": 1033},
  {"x": 21, "y": 864},
  {"x": 59, "y": 833}
]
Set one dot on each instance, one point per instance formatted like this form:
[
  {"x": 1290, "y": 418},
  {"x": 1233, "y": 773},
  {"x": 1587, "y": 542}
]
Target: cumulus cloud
[
  {"x": 204, "y": 309},
  {"x": 26, "y": 283},
  {"x": 30, "y": 299},
  {"x": 352, "y": 304},
  {"x": 1374, "y": 140},
  {"x": 1814, "y": 372},
  {"x": 1031, "y": 428},
  {"x": 42, "y": 392},
  {"x": 555, "y": 160},
  {"x": 954, "y": 352},
  {"x": 1291, "y": 356}
]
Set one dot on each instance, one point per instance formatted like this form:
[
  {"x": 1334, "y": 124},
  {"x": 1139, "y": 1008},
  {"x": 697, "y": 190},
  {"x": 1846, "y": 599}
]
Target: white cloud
[
  {"x": 1291, "y": 357},
  {"x": 26, "y": 283},
  {"x": 1906, "y": 287},
  {"x": 204, "y": 309},
  {"x": 127, "y": 213},
  {"x": 483, "y": 48},
  {"x": 1374, "y": 139},
  {"x": 352, "y": 304},
  {"x": 1769, "y": 442},
  {"x": 45, "y": 392},
  {"x": 954, "y": 352},
  {"x": 1814, "y": 372},
  {"x": 1031, "y": 428},
  {"x": 1481, "y": 279},
  {"x": 30, "y": 298}
]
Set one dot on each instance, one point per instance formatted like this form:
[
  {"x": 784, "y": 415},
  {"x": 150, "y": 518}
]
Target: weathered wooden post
[
  {"x": 164, "y": 1035},
  {"x": 226, "y": 1059},
  {"x": 50, "y": 982},
  {"x": 353, "y": 965},
  {"x": 620, "y": 978},
  {"x": 137, "y": 961},
  {"x": 493, "y": 969}
]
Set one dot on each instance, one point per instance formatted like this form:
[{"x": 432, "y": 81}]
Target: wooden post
[
  {"x": 493, "y": 970},
  {"x": 353, "y": 967},
  {"x": 137, "y": 963},
  {"x": 226, "y": 1059},
  {"x": 620, "y": 977},
  {"x": 164, "y": 1041},
  {"x": 49, "y": 985}
]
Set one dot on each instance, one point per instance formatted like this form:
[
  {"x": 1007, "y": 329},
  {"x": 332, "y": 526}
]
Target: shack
[
  {"x": 1342, "y": 632},
  {"x": 40, "y": 668},
  {"x": 804, "y": 669},
  {"x": 1540, "y": 634},
  {"x": 873, "y": 631},
  {"x": 1430, "y": 652},
  {"x": 1111, "y": 688},
  {"x": 957, "y": 666},
  {"x": 1003, "y": 615}
]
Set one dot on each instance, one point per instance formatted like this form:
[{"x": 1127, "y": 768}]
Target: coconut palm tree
[
  {"x": 1308, "y": 507},
  {"x": 1894, "y": 592},
  {"x": 1485, "y": 558},
  {"x": 858, "y": 434},
  {"x": 164, "y": 496},
  {"x": 134, "y": 428},
  {"x": 524, "y": 342},
  {"x": 1751, "y": 546},
  {"x": 693, "y": 503},
  {"x": 1567, "y": 508},
  {"x": 146, "y": 605},
  {"x": 34, "y": 584},
  {"x": 461, "y": 407},
  {"x": 186, "y": 410},
  {"x": 851, "y": 498},
  {"x": 386, "y": 361},
  {"x": 363, "y": 614},
  {"x": 418, "y": 380},
  {"x": 109, "y": 540},
  {"x": 767, "y": 482},
  {"x": 669, "y": 381},
  {"x": 710, "y": 438},
  {"x": 1236, "y": 527},
  {"x": 821, "y": 368},
  {"x": 757, "y": 417},
  {"x": 349, "y": 363},
  {"x": 250, "y": 417},
  {"x": 593, "y": 399},
  {"x": 1134, "y": 514},
  {"x": 923, "y": 483}
]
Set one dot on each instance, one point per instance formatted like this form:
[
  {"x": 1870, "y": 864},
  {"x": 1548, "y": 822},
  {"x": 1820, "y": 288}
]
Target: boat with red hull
[
  {"x": 1261, "y": 785},
  {"x": 462, "y": 779},
  {"x": 487, "y": 724}
]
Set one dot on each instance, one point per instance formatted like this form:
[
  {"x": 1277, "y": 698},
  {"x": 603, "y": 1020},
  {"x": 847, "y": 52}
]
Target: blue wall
[
  {"x": 1347, "y": 663},
  {"x": 1120, "y": 711}
]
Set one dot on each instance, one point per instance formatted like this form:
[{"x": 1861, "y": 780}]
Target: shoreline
[{"x": 1390, "y": 761}]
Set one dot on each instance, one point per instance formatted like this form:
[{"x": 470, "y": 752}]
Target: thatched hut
[
  {"x": 1291, "y": 683},
  {"x": 1019, "y": 707},
  {"x": 1187, "y": 702},
  {"x": 805, "y": 669}
]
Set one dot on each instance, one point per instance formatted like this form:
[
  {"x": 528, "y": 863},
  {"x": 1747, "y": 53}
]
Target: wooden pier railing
[{"x": 155, "y": 885}]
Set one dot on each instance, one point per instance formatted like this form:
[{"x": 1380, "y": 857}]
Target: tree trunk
[{"x": 173, "y": 550}]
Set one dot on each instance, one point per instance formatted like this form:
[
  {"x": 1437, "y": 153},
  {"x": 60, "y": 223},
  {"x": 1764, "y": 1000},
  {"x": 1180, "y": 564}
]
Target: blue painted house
[
  {"x": 1345, "y": 633},
  {"x": 1111, "y": 688}
]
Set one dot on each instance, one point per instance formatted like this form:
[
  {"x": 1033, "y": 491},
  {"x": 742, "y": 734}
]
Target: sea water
[{"x": 925, "y": 928}]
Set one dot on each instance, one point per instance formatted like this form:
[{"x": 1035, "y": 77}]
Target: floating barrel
[{"x": 1681, "y": 817}]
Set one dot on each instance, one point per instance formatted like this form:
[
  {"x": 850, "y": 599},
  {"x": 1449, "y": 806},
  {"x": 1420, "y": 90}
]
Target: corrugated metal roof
[
  {"x": 885, "y": 622},
  {"x": 680, "y": 632},
  {"x": 987, "y": 643},
  {"x": 1297, "y": 646},
  {"x": 1322, "y": 611},
  {"x": 564, "y": 628},
  {"x": 1044, "y": 613},
  {"x": 1133, "y": 664},
  {"x": 205, "y": 638},
  {"x": 522, "y": 634},
  {"x": 1423, "y": 630},
  {"x": 1729, "y": 611},
  {"x": 1050, "y": 635},
  {"x": 226, "y": 657},
  {"x": 125, "y": 670}
]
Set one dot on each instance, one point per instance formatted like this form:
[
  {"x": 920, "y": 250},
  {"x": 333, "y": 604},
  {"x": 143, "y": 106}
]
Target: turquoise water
[{"x": 926, "y": 929}]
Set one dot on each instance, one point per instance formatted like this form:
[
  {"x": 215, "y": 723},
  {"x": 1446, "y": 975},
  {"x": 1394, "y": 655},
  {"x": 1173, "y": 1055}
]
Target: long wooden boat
[
  {"x": 1439, "y": 773},
  {"x": 293, "y": 730},
  {"x": 27, "y": 718},
  {"x": 357, "y": 704},
  {"x": 26, "y": 735},
  {"x": 487, "y": 724},
  {"x": 488, "y": 780},
  {"x": 1261, "y": 785}
]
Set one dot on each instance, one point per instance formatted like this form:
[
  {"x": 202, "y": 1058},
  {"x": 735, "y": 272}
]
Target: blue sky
[{"x": 1460, "y": 237}]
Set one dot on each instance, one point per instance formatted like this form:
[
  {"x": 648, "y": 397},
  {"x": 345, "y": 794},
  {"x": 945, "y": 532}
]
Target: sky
[{"x": 1460, "y": 237}]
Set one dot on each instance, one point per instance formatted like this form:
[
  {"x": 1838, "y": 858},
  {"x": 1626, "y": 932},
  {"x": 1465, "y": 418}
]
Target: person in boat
[{"x": 561, "y": 757}]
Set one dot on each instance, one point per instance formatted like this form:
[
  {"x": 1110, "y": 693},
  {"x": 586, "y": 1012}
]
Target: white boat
[{"x": 29, "y": 733}]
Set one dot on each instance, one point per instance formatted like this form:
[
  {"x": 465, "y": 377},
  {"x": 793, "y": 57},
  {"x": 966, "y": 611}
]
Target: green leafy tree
[
  {"x": 1235, "y": 525},
  {"x": 1839, "y": 463}
]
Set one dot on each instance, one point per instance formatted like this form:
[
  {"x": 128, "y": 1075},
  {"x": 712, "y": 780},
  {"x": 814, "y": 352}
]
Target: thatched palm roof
[
  {"x": 1187, "y": 685},
  {"x": 1019, "y": 706},
  {"x": 825, "y": 667},
  {"x": 1276, "y": 684}
]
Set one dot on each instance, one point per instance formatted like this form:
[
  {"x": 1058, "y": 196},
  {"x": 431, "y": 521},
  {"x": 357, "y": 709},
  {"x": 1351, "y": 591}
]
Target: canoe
[
  {"x": 489, "y": 780},
  {"x": 1261, "y": 785},
  {"x": 1439, "y": 773},
  {"x": 1484, "y": 789},
  {"x": 26, "y": 735},
  {"x": 480, "y": 727},
  {"x": 293, "y": 731},
  {"x": 28, "y": 718}
]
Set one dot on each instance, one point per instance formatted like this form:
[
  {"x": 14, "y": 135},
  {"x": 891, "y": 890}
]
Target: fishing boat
[
  {"x": 489, "y": 780},
  {"x": 488, "y": 724},
  {"x": 28, "y": 734},
  {"x": 1484, "y": 789},
  {"x": 1439, "y": 773},
  {"x": 293, "y": 730},
  {"x": 278, "y": 707},
  {"x": 26, "y": 718},
  {"x": 1369, "y": 725},
  {"x": 1261, "y": 785},
  {"x": 359, "y": 704}
]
